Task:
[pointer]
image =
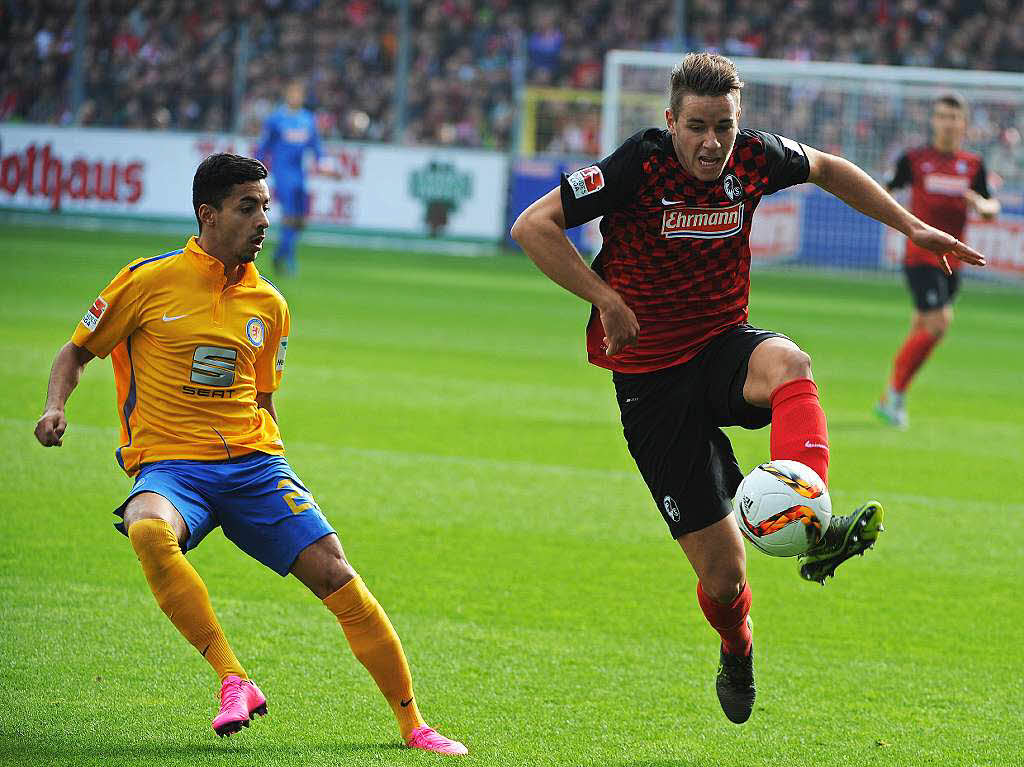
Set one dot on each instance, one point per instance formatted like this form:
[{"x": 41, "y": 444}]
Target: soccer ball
[{"x": 783, "y": 508}]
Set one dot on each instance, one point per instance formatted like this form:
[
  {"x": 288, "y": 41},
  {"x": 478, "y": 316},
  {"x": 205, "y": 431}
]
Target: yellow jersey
[{"x": 189, "y": 355}]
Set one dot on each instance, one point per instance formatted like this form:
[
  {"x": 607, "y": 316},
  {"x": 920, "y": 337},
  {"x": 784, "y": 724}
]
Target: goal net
[{"x": 867, "y": 114}]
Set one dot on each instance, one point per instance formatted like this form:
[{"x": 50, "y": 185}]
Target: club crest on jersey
[
  {"x": 671, "y": 508},
  {"x": 255, "y": 331},
  {"x": 732, "y": 187},
  {"x": 586, "y": 181},
  {"x": 702, "y": 223},
  {"x": 95, "y": 314}
]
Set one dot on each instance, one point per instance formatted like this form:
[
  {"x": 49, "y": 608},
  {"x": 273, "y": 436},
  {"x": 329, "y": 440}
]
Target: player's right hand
[
  {"x": 620, "y": 326},
  {"x": 50, "y": 428}
]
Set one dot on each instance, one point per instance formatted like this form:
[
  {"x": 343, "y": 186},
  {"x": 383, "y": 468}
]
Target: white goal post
[{"x": 866, "y": 113}]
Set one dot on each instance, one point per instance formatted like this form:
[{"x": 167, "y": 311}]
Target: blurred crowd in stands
[{"x": 171, "y": 64}]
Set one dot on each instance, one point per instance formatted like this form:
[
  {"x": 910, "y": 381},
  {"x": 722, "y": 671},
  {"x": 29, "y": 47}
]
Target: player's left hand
[
  {"x": 50, "y": 428},
  {"x": 944, "y": 245}
]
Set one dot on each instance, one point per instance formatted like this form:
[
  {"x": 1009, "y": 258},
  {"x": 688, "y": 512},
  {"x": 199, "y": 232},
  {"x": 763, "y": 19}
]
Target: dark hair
[
  {"x": 218, "y": 174},
  {"x": 952, "y": 99},
  {"x": 703, "y": 74}
]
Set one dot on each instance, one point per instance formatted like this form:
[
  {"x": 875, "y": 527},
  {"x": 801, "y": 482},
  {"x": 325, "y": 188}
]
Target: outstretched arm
[
  {"x": 64, "y": 376},
  {"x": 858, "y": 190},
  {"x": 540, "y": 230}
]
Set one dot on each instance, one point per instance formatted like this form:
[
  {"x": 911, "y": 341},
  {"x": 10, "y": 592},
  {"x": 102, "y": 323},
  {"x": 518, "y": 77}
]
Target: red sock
[
  {"x": 911, "y": 357},
  {"x": 730, "y": 621},
  {"x": 799, "y": 431}
]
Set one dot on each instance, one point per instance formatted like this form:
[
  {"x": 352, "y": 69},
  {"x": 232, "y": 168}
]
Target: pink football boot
[
  {"x": 240, "y": 701},
  {"x": 428, "y": 739}
]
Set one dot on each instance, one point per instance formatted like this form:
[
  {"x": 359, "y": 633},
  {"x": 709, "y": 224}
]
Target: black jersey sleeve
[
  {"x": 980, "y": 181},
  {"x": 599, "y": 189},
  {"x": 903, "y": 175},
  {"x": 787, "y": 161}
]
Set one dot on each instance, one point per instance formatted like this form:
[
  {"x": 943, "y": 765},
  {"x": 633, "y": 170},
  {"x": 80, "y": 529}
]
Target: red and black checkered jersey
[
  {"x": 676, "y": 249},
  {"x": 937, "y": 182}
]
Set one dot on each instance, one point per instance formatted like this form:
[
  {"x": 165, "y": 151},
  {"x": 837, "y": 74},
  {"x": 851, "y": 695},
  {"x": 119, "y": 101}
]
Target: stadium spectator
[{"x": 173, "y": 64}]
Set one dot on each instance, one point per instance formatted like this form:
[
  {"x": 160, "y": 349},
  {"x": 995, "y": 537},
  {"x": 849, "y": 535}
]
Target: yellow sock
[
  {"x": 181, "y": 594},
  {"x": 374, "y": 642}
]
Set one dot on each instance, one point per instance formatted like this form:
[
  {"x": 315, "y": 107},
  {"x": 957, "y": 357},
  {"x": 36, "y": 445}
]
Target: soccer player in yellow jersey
[{"x": 197, "y": 340}]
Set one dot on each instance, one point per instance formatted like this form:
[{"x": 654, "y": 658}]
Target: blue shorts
[
  {"x": 290, "y": 194},
  {"x": 262, "y": 506}
]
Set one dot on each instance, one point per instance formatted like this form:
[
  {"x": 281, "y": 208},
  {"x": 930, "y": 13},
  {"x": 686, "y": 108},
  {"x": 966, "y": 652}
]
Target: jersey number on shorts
[{"x": 298, "y": 500}]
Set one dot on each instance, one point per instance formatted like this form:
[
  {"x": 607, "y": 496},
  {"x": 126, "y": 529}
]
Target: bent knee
[
  {"x": 790, "y": 364},
  {"x": 725, "y": 585},
  {"x": 794, "y": 363},
  {"x": 936, "y": 326},
  {"x": 935, "y": 322},
  {"x": 335, "y": 577},
  {"x": 772, "y": 364},
  {"x": 151, "y": 506},
  {"x": 323, "y": 568}
]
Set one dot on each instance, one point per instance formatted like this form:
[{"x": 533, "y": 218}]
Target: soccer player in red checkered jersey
[
  {"x": 669, "y": 291},
  {"x": 945, "y": 181}
]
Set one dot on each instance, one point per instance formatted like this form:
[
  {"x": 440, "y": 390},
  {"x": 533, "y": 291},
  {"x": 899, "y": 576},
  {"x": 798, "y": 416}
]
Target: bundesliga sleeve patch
[
  {"x": 282, "y": 349},
  {"x": 95, "y": 314},
  {"x": 586, "y": 181}
]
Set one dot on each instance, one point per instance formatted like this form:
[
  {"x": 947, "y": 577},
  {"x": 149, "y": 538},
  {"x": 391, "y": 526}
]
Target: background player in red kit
[
  {"x": 669, "y": 291},
  {"x": 944, "y": 180}
]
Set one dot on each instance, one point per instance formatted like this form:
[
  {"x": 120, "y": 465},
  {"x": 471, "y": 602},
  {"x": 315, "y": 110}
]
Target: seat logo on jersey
[
  {"x": 95, "y": 314},
  {"x": 255, "y": 331},
  {"x": 732, "y": 187},
  {"x": 213, "y": 366},
  {"x": 702, "y": 223},
  {"x": 586, "y": 181}
]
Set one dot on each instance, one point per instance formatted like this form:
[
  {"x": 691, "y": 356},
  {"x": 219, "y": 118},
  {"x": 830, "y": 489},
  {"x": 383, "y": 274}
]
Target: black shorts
[
  {"x": 670, "y": 418},
  {"x": 931, "y": 287}
]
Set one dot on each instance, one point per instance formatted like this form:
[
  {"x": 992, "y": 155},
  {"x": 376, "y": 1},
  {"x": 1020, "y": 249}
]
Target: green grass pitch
[{"x": 443, "y": 414}]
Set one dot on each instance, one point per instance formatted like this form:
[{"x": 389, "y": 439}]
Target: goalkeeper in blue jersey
[{"x": 288, "y": 133}]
